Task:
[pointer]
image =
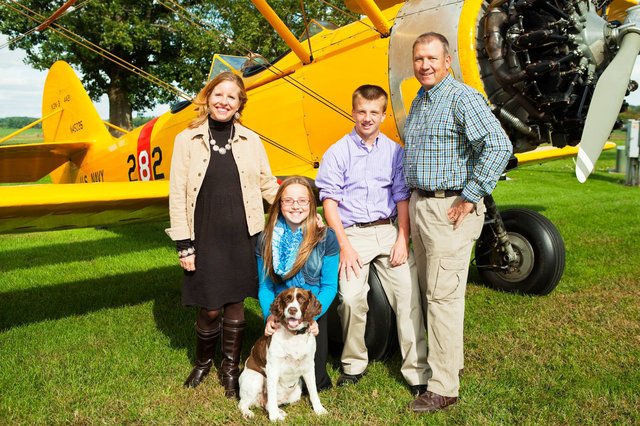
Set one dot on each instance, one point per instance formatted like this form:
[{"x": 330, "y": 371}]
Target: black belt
[
  {"x": 387, "y": 221},
  {"x": 439, "y": 194}
]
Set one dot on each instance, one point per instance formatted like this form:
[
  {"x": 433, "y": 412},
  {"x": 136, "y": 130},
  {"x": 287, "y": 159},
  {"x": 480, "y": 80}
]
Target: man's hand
[
  {"x": 271, "y": 326},
  {"x": 399, "y": 252},
  {"x": 459, "y": 210},
  {"x": 350, "y": 263}
]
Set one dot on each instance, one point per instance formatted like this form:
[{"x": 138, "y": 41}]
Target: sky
[{"x": 21, "y": 88}]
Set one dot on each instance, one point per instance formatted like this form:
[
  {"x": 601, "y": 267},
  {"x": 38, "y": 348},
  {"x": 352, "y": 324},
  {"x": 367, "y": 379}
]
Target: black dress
[{"x": 226, "y": 270}]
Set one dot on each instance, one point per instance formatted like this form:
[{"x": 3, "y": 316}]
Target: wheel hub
[{"x": 525, "y": 259}]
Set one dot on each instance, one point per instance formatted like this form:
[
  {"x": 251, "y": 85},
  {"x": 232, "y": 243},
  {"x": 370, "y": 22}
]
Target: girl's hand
[
  {"x": 271, "y": 326},
  {"x": 314, "y": 330}
]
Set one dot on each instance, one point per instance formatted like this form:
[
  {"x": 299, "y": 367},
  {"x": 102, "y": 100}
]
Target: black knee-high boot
[
  {"x": 232, "y": 336},
  {"x": 323, "y": 381},
  {"x": 206, "y": 343}
]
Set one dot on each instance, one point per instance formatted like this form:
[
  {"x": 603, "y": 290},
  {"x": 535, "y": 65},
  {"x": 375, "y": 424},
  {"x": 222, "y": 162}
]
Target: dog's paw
[
  {"x": 248, "y": 414},
  {"x": 244, "y": 409},
  {"x": 277, "y": 416},
  {"x": 320, "y": 410}
]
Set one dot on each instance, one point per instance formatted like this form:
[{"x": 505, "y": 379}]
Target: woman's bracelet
[{"x": 186, "y": 252}]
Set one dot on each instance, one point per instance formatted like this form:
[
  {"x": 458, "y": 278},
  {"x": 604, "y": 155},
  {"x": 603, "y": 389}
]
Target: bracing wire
[
  {"x": 18, "y": 38},
  {"x": 102, "y": 52},
  {"x": 355, "y": 18},
  {"x": 194, "y": 20},
  {"x": 67, "y": 6},
  {"x": 36, "y": 28},
  {"x": 210, "y": 29},
  {"x": 306, "y": 26},
  {"x": 284, "y": 148},
  {"x": 130, "y": 67}
]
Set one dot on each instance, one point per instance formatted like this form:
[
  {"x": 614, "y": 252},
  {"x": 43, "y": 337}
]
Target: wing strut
[
  {"x": 55, "y": 15},
  {"x": 282, "y": 29}
]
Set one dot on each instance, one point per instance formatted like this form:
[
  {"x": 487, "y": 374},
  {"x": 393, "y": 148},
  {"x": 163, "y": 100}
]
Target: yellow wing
[
  {"x": 30, "y": 208},
  {"x": 97, "y": 179},
  {"x": 32, "y": 162},
  {"x": 299, "y": 107},
  {"x": 549, "y": 153}
]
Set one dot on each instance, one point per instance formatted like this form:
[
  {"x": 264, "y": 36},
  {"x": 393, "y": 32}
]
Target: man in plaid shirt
[{"x": 455, "y": 151}]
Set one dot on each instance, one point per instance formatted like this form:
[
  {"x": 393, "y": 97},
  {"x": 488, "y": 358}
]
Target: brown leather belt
[
  {"x": 439, "y": 194},
  {"x": 386, "y": 221}
]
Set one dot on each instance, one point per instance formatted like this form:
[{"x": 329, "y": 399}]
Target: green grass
[
  {"x": 92, "y": 330},
  {"x": 28, "y": 136}
]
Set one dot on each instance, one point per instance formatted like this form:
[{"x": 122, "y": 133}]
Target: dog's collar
[{"x": 302, "y": 330}]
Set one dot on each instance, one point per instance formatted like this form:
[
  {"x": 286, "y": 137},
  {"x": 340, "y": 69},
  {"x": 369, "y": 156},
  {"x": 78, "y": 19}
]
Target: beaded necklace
[{"x": 222, "y": 150}]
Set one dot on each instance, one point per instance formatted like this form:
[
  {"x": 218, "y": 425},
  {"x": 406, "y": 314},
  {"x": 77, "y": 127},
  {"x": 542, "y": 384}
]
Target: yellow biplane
[{"x": 554, "y": 71}]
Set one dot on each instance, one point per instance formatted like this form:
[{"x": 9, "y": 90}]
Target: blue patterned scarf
[{"x": 284, "y": 246}]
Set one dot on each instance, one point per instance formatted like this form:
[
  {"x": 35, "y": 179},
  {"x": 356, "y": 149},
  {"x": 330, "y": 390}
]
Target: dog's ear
[
  {"x": 313, "y": 307},
  {"x": 277, "y": 307}
]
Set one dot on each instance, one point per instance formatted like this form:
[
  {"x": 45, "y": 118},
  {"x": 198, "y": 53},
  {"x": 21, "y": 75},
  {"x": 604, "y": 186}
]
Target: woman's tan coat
[{"x": 191, "y": 155}]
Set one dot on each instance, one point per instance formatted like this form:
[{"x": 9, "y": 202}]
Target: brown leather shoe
[
  {"x": 417, "y": 390},
  {"x": 429, "y": 402}
]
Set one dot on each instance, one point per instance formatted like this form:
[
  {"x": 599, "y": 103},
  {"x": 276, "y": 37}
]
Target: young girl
[{"x": 294, "y": 252}]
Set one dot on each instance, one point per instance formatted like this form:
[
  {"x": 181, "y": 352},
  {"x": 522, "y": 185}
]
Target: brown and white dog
[{"x": 271, "y": 376}]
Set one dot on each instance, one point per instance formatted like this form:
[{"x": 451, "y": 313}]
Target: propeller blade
[{"x": 605, "y": 105}]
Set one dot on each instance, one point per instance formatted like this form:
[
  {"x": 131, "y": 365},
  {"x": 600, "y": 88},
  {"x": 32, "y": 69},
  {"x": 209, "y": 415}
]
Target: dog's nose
[{"x": 293, "y": 310}]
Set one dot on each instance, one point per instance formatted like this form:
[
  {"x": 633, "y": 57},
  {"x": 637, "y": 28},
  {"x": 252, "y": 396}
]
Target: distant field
[{"x": 28, "y": 136}]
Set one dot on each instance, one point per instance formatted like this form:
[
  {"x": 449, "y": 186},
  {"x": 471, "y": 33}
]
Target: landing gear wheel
[
  {"x": 381, "y": 336},
  {"x": 539, "y": 251}
]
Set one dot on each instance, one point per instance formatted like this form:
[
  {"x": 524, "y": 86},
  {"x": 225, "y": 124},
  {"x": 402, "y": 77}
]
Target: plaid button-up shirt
[{"x": 453, "y": 141}]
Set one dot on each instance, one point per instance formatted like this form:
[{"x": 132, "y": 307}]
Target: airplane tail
[
  {"x": 70, "y": 125},
  {"x": 69, "y": 116}
]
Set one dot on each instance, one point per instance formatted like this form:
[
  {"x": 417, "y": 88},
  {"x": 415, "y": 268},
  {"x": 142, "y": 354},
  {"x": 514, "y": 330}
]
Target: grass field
[
  {"x": 28, "y": 136},
  {"x": 92, "y": 330}
]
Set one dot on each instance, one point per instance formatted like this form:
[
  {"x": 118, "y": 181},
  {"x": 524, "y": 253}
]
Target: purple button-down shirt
[{"x": 365, "y": 184}]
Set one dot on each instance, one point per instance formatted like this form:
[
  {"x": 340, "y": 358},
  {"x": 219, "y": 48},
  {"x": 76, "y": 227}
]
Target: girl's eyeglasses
[{"x": 302, "y": 202}]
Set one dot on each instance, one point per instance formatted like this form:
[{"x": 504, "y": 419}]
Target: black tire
[
  {"x": 540, "y": 250},
  {"x": 381, "y": 336}
]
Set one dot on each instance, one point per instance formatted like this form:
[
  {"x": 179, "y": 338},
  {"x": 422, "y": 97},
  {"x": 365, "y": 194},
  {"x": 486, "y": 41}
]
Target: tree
[
  {"x": 249, "y": 28},
  {"x": 633, "y": 112},
  {"x": 18, "y": 122},
  {"x": 148, "y": 35}
]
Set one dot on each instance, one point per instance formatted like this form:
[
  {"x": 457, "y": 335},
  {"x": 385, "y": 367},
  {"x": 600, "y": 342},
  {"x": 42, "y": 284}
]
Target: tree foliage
[
  {"x": 632, "y": 112},
  {"x": 17, "y": 122},
  {"x": 152, "y": 37}
]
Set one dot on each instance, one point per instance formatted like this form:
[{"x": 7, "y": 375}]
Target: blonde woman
[{"x": 219, "y": 176}]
